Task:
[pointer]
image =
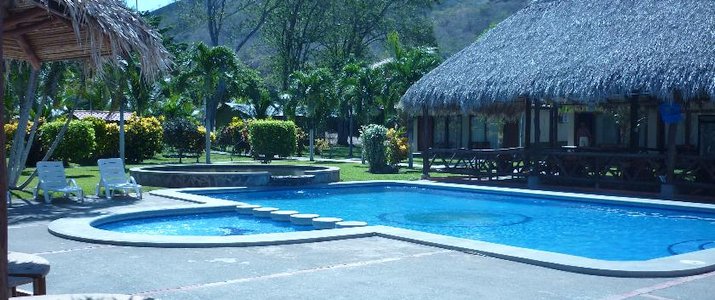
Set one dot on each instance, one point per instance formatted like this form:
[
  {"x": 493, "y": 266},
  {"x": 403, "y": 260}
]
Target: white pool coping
[{"x": 692, "y": 263}]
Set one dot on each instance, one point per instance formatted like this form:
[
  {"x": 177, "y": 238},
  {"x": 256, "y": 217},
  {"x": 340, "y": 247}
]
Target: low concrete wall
[{"x": 202, "y": 175}]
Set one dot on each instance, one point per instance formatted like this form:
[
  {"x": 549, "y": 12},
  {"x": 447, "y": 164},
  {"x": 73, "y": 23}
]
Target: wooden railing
[
  {"x": 597, "y": 169},
  {"x": 632, "y": 171},
  {"x": 490, "y": 164},
  {"x": 695, "y": 173}
]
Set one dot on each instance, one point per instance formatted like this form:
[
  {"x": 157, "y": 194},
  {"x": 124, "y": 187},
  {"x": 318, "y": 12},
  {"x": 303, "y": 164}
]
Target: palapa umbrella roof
[
  {"x": 91, "y": 30},
  {"x": 582, "y": 51}
]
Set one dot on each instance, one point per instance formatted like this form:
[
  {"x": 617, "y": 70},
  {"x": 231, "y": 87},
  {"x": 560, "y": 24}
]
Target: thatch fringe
[
  {"x": 582, "y": 51},
  {"x": 109, "y": 31}
]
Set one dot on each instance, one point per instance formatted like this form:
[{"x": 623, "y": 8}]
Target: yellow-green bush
[
  {"x": 144, "y": 138},
  {"x": 77, "y": 144},
  {"x": 106, "y": 136}
]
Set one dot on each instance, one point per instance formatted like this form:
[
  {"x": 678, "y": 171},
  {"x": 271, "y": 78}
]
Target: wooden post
[
  {"x": 554, "y": 126},
  {"x": 410, "y": 140},
  {"x": 633, "y": 141},
  {"x": 537, "y": 123},
  {"x": 527, "y": 122},
  {"x": 668, "y": 189},
  {"x": 121, "y": 133},
  {"x": 3, "y": 166},
  {"x": 688, "y": 121},
  {"x": 425, "y": 151}
]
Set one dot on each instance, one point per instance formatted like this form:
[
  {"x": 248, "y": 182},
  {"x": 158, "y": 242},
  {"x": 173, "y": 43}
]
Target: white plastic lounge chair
[
  {"x": 52, "y": 179},
  {"x": 112, "y": 177}
]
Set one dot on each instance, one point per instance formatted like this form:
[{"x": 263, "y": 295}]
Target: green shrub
[
  {"x": 77, "y": 144},
  {"x": 106, "y": 136},
  {"x": 373, "y": 139},
  {"x": 301, "y": 140},
  {"x": 144, "y": 138},
  {"x": 183, "y": 135},
  {"x": 321, "y": 146},
  {"x": 270, "y": 137},
  {"x": 36, "y": 151},
  {"x": 235, "y": 136}
]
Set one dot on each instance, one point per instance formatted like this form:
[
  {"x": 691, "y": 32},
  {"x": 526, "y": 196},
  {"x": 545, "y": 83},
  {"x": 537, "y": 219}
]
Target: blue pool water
[
  {"x": 600, "y": 231},
  {"x": 203, "y": 224}
]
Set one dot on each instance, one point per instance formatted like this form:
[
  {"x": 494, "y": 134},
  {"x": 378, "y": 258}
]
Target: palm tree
[
  {"x": 405, "y": 68},
  {"x": 211, "y": 77},
  {"x": 313, "y": 91}
]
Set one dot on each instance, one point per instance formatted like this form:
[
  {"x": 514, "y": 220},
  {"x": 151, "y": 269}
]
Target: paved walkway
[{"x": 366, "y": 268}]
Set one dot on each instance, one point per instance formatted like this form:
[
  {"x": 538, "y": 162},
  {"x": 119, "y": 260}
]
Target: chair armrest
[
  {"x": 71, "y": 182},
  {"x": 132, "y": 180}
]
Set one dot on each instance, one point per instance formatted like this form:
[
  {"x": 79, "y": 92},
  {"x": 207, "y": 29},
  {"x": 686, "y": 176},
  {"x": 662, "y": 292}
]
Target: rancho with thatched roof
[{"x": 607, "y": 93}]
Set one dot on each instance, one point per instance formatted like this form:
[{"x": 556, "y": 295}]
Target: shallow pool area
[
  {"x": 225, "y": 223},
  {"x": 587, "y": 229}
]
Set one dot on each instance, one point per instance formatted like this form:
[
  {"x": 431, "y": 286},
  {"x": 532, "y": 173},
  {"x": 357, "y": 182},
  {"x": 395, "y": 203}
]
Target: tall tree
[
  {"x": 294, "y": 30},
  {"x": 355, "y": 25},
  {"x": 229, "y": 21}
]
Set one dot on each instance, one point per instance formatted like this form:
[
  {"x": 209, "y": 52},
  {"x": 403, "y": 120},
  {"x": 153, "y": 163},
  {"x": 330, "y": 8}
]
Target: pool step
[
  {"x": 350, "y": 224},
  {"x": 325, "y": 223},
  {"x": 263, "y": 212},
  {"x": 303, "y": 219},
  {"x": 283, "y": 215},
  {"x": 246, "y": 209}
]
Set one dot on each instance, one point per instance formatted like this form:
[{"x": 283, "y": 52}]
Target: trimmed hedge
[
  {"x": 77, "y": 144},
  {"x": 269, "y": 138}
]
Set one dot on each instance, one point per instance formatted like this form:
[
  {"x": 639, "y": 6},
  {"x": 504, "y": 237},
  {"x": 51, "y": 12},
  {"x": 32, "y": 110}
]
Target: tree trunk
[
  {"x": 18, "y": 143},
  {"x": 311, "y": 142},
  {"x": 207, "y": 137}
]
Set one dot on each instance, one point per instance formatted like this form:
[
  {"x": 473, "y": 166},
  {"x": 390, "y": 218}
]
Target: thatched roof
[
  {"x": 579, "y": 50},
  {"x": 93, "y": 30}
]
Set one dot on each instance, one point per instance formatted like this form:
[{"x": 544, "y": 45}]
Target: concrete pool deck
[{"x": 363, "y": 268}]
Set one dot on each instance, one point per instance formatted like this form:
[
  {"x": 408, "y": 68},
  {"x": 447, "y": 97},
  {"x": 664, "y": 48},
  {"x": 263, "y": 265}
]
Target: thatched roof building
[
  {"x": 94, "y": 30},
  {"x": 579, "y": 50}
]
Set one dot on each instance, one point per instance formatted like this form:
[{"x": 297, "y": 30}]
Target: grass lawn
[{"x": 88, "y": 176}]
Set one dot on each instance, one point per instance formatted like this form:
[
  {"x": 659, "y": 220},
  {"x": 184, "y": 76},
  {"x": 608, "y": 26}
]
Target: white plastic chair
[
  {"x": 112, "y": 177},
  {"x": 53, "y": 179}
]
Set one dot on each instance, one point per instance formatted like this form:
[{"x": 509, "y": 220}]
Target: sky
[{"x": 148, "y": 4}]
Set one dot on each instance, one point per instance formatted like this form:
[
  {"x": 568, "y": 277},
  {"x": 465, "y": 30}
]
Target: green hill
[{"x": 457, "y": 23}]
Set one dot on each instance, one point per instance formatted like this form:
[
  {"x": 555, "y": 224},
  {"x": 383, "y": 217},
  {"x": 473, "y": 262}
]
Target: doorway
[{"x": 588, "y": 120}]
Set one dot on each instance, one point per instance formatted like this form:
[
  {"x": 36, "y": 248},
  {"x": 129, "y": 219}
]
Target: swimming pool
[
  {"x": 594, "y": 230},
  {"x": 593, "y": 234}
]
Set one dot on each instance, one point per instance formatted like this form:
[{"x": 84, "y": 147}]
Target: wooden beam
[
  {"x": 527, "y": 122},
  {"x": 27, "y": 28},
  {"x": 32, "y": 57},
  {"x": 425, "y": 151},
  {"x": 25, "y": 16}
]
